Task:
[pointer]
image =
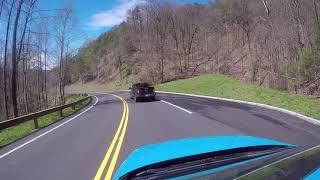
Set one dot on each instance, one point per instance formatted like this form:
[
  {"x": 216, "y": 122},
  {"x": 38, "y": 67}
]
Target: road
[{"x": 77, "y": 147}]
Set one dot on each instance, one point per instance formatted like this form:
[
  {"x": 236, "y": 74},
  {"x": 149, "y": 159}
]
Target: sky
[{"x": 98, "y": 16}]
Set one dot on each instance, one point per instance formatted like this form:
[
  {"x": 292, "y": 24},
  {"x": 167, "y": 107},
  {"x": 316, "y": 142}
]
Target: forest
[
  {"x": 271, "y": 43},
  {"x": 35, "y": 47}
]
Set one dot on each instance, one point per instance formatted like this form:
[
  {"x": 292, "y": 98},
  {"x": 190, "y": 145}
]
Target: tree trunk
[
  {"x": 162, "y": 63},
  {"x": 316, "y": 14},
  {"x": 5, "y": 63},
  {"x": 45, "y": 79},
  {"x": 120, "y": 66},
  {"x": 38, "y": 79},
  {"x": 61, "y": 74},
  {"x": 14, "y": 62},
  {"x": 25, "y": 75},
  {"x": 25, "y": 96}
]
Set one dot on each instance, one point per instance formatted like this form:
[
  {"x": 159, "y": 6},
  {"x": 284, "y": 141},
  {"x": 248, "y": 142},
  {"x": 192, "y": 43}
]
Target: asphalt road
[{"x": 75, "y": 148}]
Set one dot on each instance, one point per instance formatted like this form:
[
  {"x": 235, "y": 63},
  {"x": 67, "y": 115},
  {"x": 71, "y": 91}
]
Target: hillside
[
  {"x": 269, "y": 43},
  {"x": 223, "y": 86}
]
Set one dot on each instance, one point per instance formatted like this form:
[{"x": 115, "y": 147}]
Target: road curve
[{"x": 76, "y": 149}]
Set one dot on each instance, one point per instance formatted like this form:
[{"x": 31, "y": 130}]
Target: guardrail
[{"x": 36, "y": 115}]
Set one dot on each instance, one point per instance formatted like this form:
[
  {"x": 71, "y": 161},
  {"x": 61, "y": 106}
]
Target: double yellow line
[{"x": 115, "y": 145}]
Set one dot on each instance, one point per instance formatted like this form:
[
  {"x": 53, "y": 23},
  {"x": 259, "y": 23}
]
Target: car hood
[{"x": 155, "y": 153}]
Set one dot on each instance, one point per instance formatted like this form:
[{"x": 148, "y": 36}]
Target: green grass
[
  {"x": 12, "y": 134},
  {"x": 72, "y": 98},
  {"x": 226, "y": 87}
]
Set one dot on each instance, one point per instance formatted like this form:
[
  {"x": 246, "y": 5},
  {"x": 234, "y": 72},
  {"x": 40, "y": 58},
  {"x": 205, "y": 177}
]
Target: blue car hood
[{"x": 155, "y": 153}]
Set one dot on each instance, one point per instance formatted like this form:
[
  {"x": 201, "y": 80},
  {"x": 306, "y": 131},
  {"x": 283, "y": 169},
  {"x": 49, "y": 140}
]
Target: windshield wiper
[{"x": 193, "y": 164}]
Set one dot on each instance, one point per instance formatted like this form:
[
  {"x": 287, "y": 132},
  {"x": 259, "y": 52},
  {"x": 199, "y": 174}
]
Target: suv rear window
[{"x": 142, "y": 85}]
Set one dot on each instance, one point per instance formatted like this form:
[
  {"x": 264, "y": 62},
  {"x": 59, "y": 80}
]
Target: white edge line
[
  {"x": 177, "y": 106},
  {"x": 60, "y": 125},
  {"x": 276, "y": 162},
  {"x": 305, "y": 118}
]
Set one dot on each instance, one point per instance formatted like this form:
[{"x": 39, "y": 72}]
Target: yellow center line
[
  {"x": 104, "y": 162},
  {"x": 117, "y": 151}
]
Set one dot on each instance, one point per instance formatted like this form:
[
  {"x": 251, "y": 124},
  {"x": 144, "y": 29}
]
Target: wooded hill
[
  {"x": 33, "y": 40},
  {"x": 272, "y": 43}
]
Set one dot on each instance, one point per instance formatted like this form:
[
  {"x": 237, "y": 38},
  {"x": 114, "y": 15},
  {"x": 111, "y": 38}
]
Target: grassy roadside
[
  {"x": 72, "y": 98},
  {"x": 12, "y": 134},
  {"x": 223, "y": 86}
]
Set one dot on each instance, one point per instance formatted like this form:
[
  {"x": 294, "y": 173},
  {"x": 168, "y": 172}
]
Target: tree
[
  {"x": 14, "y": 62},
  {"x": 22, "y": 47},
  {"x": 5, "y": 61},
  {"x": 64, "y": 33}
]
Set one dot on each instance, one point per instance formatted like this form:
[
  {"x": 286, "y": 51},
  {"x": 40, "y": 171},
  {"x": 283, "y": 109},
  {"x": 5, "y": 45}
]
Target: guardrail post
[
  {"x": 35, "y": 123},
  {"x": 61, "y": 112}
]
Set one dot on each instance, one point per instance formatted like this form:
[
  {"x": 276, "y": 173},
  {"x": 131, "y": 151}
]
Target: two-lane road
[{"x": 77, "y": 147}]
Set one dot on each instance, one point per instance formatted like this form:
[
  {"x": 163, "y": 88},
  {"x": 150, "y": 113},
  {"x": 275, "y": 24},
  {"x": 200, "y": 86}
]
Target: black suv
[{"x": 141, "y": 91}]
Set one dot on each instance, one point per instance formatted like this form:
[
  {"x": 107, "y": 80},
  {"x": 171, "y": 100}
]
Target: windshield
[
  {"x": 197, "y": 163},
  {"x": 156, "y": 89},
  {"x": 142, "y": 85},
  {"x": 298, "y": 166}
]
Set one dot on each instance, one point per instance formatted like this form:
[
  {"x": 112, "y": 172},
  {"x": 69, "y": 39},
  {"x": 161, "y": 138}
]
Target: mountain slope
[{"x": 160, "y": 42}]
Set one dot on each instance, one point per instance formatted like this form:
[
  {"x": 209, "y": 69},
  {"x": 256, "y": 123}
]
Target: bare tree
[
  {"x": 5, "y": 61},
  {"x": 14, "y": 61},
  {"x": 64, "y": 31},
  {"x": 26, "y": 43}
]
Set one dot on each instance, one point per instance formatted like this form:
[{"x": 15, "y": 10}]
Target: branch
[
  {"x": 265, "y": 3},
  {"x": 46, "y": 10},
  {"x": 238, "y": 60},
  {"x": 43, "y": 33},
  {"x": 34, "y": 45},
  {"x": 31, "y": 19}
]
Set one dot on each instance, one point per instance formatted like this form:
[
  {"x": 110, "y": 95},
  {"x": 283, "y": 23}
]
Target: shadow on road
[{"x": 142, "y": 100}]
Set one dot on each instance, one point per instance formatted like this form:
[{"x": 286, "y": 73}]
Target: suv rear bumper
[{"x": 146, "y": 95}]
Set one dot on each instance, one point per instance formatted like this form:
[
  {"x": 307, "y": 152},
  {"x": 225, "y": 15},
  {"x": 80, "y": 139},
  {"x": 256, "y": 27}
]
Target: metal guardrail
[{"x": 36, "y": 115}]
